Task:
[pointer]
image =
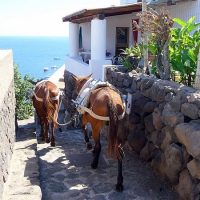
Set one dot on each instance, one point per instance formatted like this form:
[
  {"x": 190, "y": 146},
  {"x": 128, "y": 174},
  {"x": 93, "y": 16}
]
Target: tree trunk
[
  {"x": 159, "y": 59},
  {"x": 165, "y": 61}
]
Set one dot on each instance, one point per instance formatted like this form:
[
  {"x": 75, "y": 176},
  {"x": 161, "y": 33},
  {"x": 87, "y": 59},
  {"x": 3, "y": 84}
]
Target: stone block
[
  {"x": 194, "y": 168},
  {"x": 127, "y": 82},
  {"x": 190, "y": 110},
  {"x": 133, "y": 85},
  {"x": 171, "y": 118},
  {"x": 175, "y": 103},
  {"x": 154, "y": 137},
  {"x": 158, "y": 163},
  {"x": 166, "y": 137},
  {"x": 137, "y": 140},
  {"x": 146, "y": 152},
  {"x": 148, "y": 121},
  {"x": 146, "y": 83},
  {"x": 157, "y": 119},
  {"x": 157, "y": 92},
  {"x": 149, "y": 107},
  {"x": 173, "y": 162},
  {"x": 134, "y": 118},
  {"x": 185, "y": 186},
  {"x": 188, "y": 134}
]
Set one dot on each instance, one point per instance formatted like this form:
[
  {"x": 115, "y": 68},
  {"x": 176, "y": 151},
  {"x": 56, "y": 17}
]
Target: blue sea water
[{"x": 33, "y": 54}]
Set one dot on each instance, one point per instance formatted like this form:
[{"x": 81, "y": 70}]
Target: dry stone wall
[
  {"x": 7, "y": 115},
  {"x": 163, "y": 127}
]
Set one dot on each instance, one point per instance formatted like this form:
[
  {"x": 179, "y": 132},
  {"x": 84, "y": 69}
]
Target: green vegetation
[
  {"x": 131, "y": 56},
  {"x": 184, "y": 47},
  {"x": 23, "y": 86},
  {"x": 177, "y": 56}
]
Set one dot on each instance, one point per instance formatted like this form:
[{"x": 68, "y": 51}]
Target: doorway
[{"x": 122, "y": 39}]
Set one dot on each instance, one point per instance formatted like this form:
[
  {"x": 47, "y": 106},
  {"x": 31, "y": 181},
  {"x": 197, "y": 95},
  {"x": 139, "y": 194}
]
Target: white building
[{"x": 97, "y": 35}]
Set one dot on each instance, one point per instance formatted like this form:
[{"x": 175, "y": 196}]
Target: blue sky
[{"x": 41, "y": 17}]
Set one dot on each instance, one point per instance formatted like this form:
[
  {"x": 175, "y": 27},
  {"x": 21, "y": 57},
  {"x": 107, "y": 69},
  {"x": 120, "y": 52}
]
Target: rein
[{"x": 74, "y": 118}]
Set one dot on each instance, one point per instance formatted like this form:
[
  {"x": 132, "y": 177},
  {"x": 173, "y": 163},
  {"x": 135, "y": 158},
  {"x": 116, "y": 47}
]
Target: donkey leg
[
  {"x": 52, "y": 135},
  {"x": 46, "y": 129},
  {"x": 120, "y": 155},
  {"x": 42, "y": 131},
  {"x": 119, "y": 185},
  {"x": 97, "y": 151},
  {"x": 97, "y": 148},
  {"x": 86, "y": 137}
]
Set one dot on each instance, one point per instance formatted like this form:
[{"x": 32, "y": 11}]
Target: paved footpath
[{"x": 65, "y": 174}]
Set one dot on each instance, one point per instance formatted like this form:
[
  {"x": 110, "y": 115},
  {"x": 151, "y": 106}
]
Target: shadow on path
[{"x": 65, "y": 173}]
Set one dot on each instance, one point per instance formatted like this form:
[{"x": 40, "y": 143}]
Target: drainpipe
[
  {"x": 197, "y": 78},
  {"x": 145, "y": 40}
]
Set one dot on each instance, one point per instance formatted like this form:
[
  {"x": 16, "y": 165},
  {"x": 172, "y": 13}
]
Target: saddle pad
[{"x": 89, "y": 86}]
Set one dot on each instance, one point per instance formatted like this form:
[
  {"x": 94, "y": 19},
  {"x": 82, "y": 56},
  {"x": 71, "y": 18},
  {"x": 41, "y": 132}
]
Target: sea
[{"x": 38, "y": 57}]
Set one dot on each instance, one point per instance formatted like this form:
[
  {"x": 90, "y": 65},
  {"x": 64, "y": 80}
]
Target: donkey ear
[
  {"x": 89, "y": 76},
  {"x": 75, "y": 77}
]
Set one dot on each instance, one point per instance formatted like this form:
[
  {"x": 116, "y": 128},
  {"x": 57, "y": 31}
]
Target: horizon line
[{"x": 34, "y": 36}]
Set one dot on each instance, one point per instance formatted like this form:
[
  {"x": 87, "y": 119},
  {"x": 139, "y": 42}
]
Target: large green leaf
[{"x": 179, "y": 21}]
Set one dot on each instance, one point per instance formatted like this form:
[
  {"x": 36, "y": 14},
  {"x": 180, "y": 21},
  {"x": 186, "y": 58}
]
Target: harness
[
  {"x": 40, "y": 99},
  {"x": 84, "y": 94}
]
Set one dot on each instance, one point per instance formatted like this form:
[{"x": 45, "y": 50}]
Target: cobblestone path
[
  {"x": 39, "y": 171},
  {"x": 65, "y": 173}
]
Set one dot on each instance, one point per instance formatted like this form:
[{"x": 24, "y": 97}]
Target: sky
[{"x": 41, "y": 17}]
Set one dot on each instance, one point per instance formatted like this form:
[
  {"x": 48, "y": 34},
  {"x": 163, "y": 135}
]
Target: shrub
[
  {"x": 131, "y": 56},
  {"x": 23, "y": 86}
]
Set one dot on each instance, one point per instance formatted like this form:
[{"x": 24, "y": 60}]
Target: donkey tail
[
  {"x": 112, "y": 137},
  {"x": 49, "y": 108}
]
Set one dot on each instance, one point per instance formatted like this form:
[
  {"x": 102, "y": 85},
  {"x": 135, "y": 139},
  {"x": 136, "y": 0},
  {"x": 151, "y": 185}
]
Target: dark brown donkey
[
  {"x": 46, "y": 101},
  {"x": 104, "y": 101}
]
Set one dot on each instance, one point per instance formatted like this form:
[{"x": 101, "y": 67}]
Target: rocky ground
[{"x": 39, "y": 171}]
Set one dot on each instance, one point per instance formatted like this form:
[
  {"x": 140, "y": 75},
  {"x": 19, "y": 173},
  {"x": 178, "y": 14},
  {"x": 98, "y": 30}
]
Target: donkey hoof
[
  {"x": 119, "y": 187},
  {"x": 53, "y": 144},
  {"x": 89, "y": 145},
  {"x": 94, "y": 165},
  {"x": 47, "y": 140}
]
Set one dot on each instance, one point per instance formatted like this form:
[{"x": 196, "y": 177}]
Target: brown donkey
[
  {"x": 46, "y": 101},
  {"x": 103, "y": 102}
]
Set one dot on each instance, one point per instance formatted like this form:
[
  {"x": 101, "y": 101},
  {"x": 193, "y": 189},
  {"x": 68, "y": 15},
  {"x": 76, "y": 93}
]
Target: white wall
[
  {"x": 112, "y": 23},
  {"x": 185, "y": 10},
  {"x": 86, "y": 35},
  {"x": 122, "y": 2},
  {"x": 118, "y": 21},
  {"x": 77, "y": 67},
  {"x": 6, "y": 72}
]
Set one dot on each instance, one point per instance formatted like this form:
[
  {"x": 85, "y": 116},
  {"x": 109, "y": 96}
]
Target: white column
[
  {"x": 98, "y": 39},
  {"x": 73, "y": 39},
  {"x": 98, "y": 48}
]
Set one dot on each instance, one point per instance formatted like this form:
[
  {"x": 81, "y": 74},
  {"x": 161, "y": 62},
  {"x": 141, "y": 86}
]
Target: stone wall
[
  {"x": 7, "y": 115},
  {"x": 163, "y": 128}
]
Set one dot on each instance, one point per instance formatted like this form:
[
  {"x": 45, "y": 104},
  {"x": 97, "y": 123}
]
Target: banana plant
[{"x": 184, "y": 48}]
